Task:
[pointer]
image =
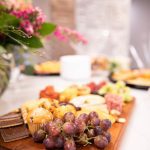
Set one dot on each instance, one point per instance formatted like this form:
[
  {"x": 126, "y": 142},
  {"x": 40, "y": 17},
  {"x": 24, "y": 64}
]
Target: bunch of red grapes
[{"x": 71, "y": 131}]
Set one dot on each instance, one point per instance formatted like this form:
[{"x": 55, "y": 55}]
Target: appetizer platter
[
  {"x": 43, "y": 69},
  {"x": 103, "y": 63},
  {"x": 137, "y": 78},
  {"x": 48, "y": 68},
  {"x": 91, "y": 116}
]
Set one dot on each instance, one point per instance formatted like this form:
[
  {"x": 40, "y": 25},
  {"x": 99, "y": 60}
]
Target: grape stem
[
  {"x": 87, "y": 143},
  {"x": 89, "y": 127}
]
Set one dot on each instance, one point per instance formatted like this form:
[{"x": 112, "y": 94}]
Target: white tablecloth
[{"x": 22, "y": 88}]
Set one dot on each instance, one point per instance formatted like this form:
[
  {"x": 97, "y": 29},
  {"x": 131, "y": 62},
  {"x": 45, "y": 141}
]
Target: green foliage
[
  {"x": 12, "y": 35},
  {"x": 7, "y": 20},
  {"x": 32, "y": 42},
  {"x": 47, "y": 28}
]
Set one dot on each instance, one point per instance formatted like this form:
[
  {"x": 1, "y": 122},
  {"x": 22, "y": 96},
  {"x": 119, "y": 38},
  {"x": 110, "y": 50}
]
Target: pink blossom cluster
[
  {"x": 31, "y": 19},
  {"x": 66, "y": 34}
]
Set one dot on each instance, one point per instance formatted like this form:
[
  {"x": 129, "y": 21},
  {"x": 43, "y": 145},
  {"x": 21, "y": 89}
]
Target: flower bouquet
[{"x": 24, "y": 25}]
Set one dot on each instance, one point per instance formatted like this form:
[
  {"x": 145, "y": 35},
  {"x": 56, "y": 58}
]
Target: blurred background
[
  {"x": 105, "y": 24},
  {"x": 113, "y": 28}
]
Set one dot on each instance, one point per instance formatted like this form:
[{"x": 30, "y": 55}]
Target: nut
[
  {"x": 121, "y": 120},
  {"x": 115, "y": 112}
]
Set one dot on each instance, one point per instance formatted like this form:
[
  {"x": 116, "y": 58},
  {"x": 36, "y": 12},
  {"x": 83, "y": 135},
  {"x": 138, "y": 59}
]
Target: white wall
[{"x": 106, "y": 25}]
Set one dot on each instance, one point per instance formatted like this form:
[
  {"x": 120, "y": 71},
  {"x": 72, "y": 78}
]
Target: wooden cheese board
[{"x": 116, "y": 131}]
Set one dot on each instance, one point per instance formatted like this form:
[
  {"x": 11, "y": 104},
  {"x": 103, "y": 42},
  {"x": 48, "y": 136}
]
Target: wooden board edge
[{"x": 119, "y": 138}]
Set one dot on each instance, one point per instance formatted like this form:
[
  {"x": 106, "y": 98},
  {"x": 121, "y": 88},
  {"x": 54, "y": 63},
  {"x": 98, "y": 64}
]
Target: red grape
[
  {"x": 105, "y": 124},
  {"x": 107, "y": 135},
  {"x": 101, "y": 141},
  {"x": 69, "y": 145},
  {"x": 69, "y": 117},
  {"x": 95, "y": 121},
  {"x": 69, "y": 128},
  {"x": 39, "y": 136},
  {"x": 85, "y": 129},
  {"x": 98, "y": 130},
  {"x": 93, "y": 114},
  {"x": 49, "y": 143},
  {"x": 47, "y": 126},
  {"x": 81, "y": 126},
  {"x": 54, "y": 129},
  {"x": 84, "y": 117},
  {"x": 59, "y": 142}
]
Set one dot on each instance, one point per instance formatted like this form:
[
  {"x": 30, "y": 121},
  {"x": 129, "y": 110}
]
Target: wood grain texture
[{"x": 117, "y": 131}]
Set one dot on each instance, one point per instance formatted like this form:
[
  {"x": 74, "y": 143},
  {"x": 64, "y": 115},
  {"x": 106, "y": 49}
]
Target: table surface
[{"x": 22, "y": 88}]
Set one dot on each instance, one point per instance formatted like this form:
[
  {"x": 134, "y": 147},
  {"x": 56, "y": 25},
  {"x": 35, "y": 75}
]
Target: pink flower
[
  {"x": 32, "y": 19},
  {"x": 58, "y": 34},
  {"x": 66, "y": 34},
  {"x": 27, "y": 26}
]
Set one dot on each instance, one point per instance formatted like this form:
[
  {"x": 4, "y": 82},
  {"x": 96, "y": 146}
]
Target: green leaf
[
  {"x": 8, "y": 20},
  {"x": 47, "y": 28},
  {"x": 33, "y": 42}
]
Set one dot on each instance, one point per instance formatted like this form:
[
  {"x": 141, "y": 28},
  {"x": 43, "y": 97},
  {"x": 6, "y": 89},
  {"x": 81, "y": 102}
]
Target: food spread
[
  {"x": 135, "y": 77},
  {"x": 77, "y": 116}
]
